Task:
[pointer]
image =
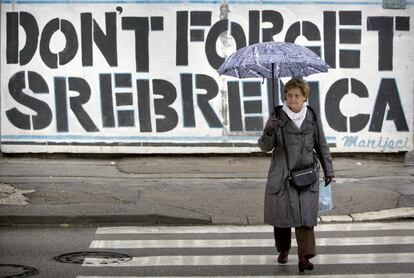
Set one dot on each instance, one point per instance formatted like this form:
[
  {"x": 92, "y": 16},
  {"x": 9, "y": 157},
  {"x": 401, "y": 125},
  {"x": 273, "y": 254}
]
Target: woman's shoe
[
  {"x": 283, "y": 257},
  {"x": 304, "y": 264}
]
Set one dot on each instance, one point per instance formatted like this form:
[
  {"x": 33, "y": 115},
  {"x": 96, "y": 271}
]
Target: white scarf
[{"x": 297, "y": 118}]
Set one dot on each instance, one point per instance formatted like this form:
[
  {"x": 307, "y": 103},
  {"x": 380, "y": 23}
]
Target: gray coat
[{"x": 284, "y": 206}]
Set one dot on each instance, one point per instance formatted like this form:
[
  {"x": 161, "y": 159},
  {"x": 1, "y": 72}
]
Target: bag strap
[{"x": 316, "y": 121}]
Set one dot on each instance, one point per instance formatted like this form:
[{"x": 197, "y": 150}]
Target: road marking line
[
  {"x": 325, "y": 259},
  {"x": 251, "y": 229},
  {"x": 228, "y": 243}
]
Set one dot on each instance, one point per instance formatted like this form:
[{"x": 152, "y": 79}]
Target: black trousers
[{"x": 305, "y": 238}]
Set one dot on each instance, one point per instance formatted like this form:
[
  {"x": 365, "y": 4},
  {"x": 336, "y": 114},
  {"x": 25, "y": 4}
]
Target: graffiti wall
[{"x": 140, "y": 76}]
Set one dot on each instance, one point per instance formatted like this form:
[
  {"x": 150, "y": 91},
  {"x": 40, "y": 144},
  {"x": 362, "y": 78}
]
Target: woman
[{"x": 285, "y": 206}]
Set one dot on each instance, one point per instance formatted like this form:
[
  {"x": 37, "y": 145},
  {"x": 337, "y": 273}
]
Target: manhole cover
[
  {"x": 16, "y": 270},
  {"x": 98, "y": 258}
]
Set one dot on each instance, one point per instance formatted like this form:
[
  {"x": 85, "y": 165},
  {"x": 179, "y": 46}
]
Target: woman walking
[{"x": 295, "y": 136}]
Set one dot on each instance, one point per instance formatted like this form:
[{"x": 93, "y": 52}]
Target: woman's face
[{"x": 295, "y": 99}]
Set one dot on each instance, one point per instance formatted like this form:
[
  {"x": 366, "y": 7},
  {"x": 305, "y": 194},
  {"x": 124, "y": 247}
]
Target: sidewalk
[{"x": 150, "y": 190}]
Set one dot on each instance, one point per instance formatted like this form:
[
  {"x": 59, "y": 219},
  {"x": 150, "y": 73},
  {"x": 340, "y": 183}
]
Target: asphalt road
[{"x": 347, "y": 250}]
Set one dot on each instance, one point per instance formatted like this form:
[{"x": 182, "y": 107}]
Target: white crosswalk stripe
[
  {"x": 251, "y": 229},
  {"x": 367, "y": 250},
  {"x": 136, "y": 244},
  {"x": 253, "y": 260}
]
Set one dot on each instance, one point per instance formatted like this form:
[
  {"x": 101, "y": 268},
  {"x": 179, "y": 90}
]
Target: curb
[
  {"x": 387, "y": 214},
  {"x": 140, "y": 220},
  {"x": 160, "y": 219}
]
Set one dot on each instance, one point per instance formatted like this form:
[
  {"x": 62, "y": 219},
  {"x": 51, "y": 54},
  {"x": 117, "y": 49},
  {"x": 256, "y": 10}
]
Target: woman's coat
[{"x": 284, "y": 206}]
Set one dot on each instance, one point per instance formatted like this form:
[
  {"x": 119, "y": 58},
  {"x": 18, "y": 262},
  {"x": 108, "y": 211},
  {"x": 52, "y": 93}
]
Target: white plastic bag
[{"x": 325, "y": 197}]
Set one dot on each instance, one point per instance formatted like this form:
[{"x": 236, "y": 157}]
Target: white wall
[{"x": 153, "y": 88}]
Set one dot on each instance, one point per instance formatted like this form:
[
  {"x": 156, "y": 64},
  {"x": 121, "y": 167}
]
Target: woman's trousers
[{"x": 305, "y": 238}]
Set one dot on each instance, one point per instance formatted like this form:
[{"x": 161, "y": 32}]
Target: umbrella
[{"x": 272, "y": 60}]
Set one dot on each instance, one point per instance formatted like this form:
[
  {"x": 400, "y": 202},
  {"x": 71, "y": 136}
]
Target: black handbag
[
  {"x": 303, "y": 178},
  {"x": 299, "y": 179}
]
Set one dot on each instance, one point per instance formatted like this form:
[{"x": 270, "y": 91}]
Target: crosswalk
[{"x": 344, "y": 250}]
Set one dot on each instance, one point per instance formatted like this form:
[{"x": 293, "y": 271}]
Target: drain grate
[
  {"x": 103, "y": 257},
  {"x": 16, "y": 271}
]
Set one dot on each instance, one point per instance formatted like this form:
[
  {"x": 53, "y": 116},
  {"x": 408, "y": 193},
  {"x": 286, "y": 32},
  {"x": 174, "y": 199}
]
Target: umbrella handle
[
  {"x": 273, "y": 95},
  {"x": 273, "y": 85}
]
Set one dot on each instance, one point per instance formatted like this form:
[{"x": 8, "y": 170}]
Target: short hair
[{"x": 297, "y": 83}]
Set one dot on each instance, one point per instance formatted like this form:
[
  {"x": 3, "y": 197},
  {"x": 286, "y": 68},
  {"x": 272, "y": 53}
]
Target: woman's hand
[
  {"x": 272, "y": 124},
  {"x": 328, "y": 180}
]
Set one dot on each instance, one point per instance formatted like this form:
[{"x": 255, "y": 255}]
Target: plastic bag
[{"x": 325, "y": 197}]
